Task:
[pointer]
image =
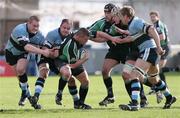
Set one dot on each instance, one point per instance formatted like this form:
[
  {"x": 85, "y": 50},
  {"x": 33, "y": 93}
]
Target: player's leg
[
  {"x": 19, "y": 64},
  {"x": 81, "y": 74},
  {"x": 43, "y": 68},
  {"x": 73, "y": 90},
  {"x": 137, "y": 75},
  {"x": 65, "y": 73},
  {"x": 71, "y": 86},
  {"x": 161, "y": 86},
  {"x": 126, "y": 77},
  {"x": 107, "y": 79},
  {"x": 23, "y": 79}
]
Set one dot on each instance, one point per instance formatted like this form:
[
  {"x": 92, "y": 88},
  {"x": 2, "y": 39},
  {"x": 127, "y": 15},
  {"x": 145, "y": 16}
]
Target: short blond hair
[
  {"x": 31, "y": 18},
  {"x": 127, "y": 10}
]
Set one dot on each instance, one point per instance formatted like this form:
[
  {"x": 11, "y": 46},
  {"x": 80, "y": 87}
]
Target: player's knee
[
  {"x": 153, "y": 78},
  {"x": 137, "y": 73},
  {"x": 127, "y": 69},
  {"x": 85, "y": 82},
  {"x": 125, "y": 76},
  {"x": 44, "y": 70},
  {"x": 43, "y": 73},
  {"x": 20, "y": 70},
  {"x": 105, "y": 72}
]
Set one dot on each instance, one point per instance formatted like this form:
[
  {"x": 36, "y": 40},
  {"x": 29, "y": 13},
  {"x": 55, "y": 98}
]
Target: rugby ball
[{"x": 81, "y": 53}]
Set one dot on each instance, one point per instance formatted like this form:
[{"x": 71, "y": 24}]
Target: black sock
[
  {"x": 162, "y": 77},
  {"x": 82, "y": 93},
  {"x": 23, "y": 84},
  {"x": 142, "y": 94},
  {"x": 161, "y": 86},
  {"x": 23, "y": 78},
  {"x": 128, "y": 88},
  {"x": 62, "y": 84},
  {"x": 39, "y": 86},
  {"x": 108, "y": 84},
  {"x": 73, "y": 91},
  {"x": 147, "y": 83}
]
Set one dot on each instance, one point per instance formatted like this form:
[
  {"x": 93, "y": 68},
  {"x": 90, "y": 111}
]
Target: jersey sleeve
[
  {"x": 94, "y": 28},
  {"x": 113, "y": 31},
  {"x": 49, "y": 40},
  {"x": 21, "y": 36}
]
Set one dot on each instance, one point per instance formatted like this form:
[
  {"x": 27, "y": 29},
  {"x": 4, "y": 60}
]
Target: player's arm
[
  {"x": 25, "y": 43},
  {"x": 153, "y": 33},
  {"x": 99, "y": 36},
  {"x": 80, "y": 61},
  {"x": 33, "y": 49}
]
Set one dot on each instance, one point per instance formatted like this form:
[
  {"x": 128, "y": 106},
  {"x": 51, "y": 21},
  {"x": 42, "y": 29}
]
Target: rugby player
[
  {"x": 22, "y": 40},
  {"x": 140, "y": 34}
]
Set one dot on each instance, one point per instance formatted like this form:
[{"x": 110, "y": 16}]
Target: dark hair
[
  {"x": 127, "y": 10},
  {"x": 108, "y": 7},
  {"x": 64, "y": 21},
  {"x": 154, "y": 13},
  {"x": 82, "y": 31},
  {"x": 31, "y": 18}
]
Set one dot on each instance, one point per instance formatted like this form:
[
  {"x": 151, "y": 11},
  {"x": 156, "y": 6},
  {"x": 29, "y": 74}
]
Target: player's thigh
[
  {"x": 127, "y": 68},
  {"x": 108, "y": 65},
  {"x": 140, "y": 68}
]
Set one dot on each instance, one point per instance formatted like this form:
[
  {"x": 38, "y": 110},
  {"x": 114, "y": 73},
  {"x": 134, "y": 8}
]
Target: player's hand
[
  {"x": 160, "y": 51},
  {"x": 113, "y": 40},
  {"x": 86, "y": 55},
  {"x": 46, "y": 52}
]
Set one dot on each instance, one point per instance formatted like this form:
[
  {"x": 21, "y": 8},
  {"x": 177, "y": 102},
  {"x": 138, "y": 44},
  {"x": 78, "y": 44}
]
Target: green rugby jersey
[
  {"x": 69, "y": 50},
  {"x": 162, "y": 29}
]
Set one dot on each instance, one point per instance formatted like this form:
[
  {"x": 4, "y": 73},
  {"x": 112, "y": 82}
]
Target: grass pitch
[{"x": 10, "y": 94}]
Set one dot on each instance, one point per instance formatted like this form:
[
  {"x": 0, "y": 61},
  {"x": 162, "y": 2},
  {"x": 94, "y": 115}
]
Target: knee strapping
[
  {"x": 127, "y": 67},
  {"x": 153, "y": 75},
  {"x": 139, "y": 70}
]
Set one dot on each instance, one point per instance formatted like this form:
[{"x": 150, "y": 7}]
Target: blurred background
[{"x": 83, "y": 13}]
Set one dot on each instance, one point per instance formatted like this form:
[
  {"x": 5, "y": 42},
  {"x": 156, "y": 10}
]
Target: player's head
[
  {"x": 116, "y": 14},
  {"x": 82, "y": 36},
  {"x": 127, "y": 13},
  {"x": 107, "y": 11},
  {"x": 65, "y": 27},
  {"x": 154, "y": 15},
  {"x": 33, "y": 24}
]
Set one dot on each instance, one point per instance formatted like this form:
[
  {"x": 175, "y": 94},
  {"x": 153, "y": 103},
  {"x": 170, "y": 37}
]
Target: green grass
[{"x": 10, "y": 93}]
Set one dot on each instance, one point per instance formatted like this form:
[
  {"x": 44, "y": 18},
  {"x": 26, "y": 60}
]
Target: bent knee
[
  {"x": 20, "y": 71},
  {"x": 66, "y": 72},
  {"x": 85, "y": 82}
]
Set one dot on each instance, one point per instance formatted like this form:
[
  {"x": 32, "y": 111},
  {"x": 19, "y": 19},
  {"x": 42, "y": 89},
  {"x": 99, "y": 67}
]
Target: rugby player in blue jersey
[
  {"x": 140, "y": 34},
  {"x": 22, "y": 40}
]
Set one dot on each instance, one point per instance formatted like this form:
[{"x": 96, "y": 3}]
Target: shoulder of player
[
  {"x": 20, "y": 29},
  {"x": 53, "y": 33}
]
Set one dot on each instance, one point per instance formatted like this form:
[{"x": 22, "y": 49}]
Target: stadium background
[{"x": 83, "y": 13}]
